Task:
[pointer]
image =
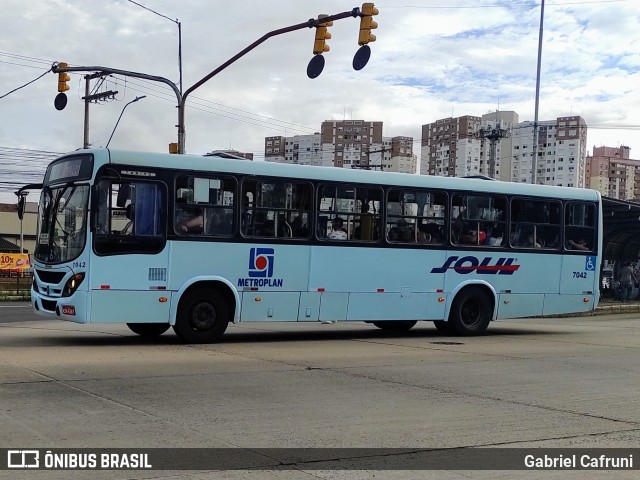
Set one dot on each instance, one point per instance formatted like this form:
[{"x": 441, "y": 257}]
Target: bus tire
[
  {"x": 444, "y": 327},
  {"x": 471, "y": 312},
  {"x": 396, "y": 326},
  {"x": 203, "y": 316},
  {"x": 148, "y": 329}
]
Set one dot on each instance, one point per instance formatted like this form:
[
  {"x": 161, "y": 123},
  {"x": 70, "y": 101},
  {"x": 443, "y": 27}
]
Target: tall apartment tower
[
  {"x": 560, "y": 152},
  {"x": 348, "y": 143},
  {"x": 613, "y": 173},
  {"x": 299, "y": 149},
  {"x": 450, "y": 147}
]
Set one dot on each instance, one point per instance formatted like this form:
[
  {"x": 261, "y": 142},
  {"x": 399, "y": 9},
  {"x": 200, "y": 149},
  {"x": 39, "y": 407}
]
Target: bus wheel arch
[
  {"x": 204, "y": 311},
  {"x": 472, "y": 309}
]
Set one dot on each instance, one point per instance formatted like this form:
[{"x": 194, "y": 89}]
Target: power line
[{"x": 22, "y": 86}]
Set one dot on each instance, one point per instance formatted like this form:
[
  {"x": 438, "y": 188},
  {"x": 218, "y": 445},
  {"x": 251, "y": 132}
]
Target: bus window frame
[
  {"x": 560, "y": 226},
  {"x": 122, "y": 243},
  {"x": 206, "y": 208},
  {"x": 592, "y": 241},
  {"x": 351, "y": 215},
  {"x": 249, "y": 213}
]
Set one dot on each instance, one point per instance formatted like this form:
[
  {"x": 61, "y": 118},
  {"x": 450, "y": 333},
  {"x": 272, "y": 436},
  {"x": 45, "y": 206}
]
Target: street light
[
  {"x": 177, "y": 22},
  {"x": 123, "y": 109}
]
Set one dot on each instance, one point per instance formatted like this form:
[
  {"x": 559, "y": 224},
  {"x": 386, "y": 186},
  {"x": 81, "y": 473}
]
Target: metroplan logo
[
  {"x": 261, "y": 262},
  {"x": 468, "y": 264},
  {"x": 260, "y": 274}
]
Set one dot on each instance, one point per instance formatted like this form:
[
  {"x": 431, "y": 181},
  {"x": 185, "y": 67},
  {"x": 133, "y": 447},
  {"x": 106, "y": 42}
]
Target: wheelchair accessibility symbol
[{"x": 590, "y": 264}]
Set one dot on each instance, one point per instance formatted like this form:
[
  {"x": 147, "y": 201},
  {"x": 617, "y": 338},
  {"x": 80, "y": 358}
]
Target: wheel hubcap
[
  {"x": 203, "y": 316},
  {"x": 471, "y": 313}
]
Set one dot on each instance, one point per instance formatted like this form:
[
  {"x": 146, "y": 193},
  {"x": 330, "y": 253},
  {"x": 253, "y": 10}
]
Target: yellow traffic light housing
[
  {"x": 367, "y": 24},
  {"x": 322, "y": 35},
  {"x": 63, "y": 78}
]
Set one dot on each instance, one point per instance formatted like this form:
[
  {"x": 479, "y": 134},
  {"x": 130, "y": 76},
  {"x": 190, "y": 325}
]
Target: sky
[{"x": 432, "y": 59}]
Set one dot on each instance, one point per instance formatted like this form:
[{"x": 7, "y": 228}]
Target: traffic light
[
  {"x": 367, "y": 24},
  {"x": 322, "y": 35},
  {"x": 63, "y": 78}
]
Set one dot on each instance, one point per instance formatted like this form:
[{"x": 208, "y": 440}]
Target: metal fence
[{"x": 14, "y": 282}]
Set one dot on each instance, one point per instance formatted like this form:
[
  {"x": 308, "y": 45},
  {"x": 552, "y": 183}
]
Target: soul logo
[{"x": 468, "y": 264}]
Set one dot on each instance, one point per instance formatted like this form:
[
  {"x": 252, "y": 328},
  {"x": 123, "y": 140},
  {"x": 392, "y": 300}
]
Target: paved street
[{"x": 564, "y": 382}]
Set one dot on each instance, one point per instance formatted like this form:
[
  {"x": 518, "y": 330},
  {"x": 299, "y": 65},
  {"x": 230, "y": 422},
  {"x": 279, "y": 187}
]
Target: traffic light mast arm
[{"x": 311, "y": 23}]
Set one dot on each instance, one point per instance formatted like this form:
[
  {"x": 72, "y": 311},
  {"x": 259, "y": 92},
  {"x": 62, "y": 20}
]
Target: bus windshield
[{"x": 62, "y": 224}]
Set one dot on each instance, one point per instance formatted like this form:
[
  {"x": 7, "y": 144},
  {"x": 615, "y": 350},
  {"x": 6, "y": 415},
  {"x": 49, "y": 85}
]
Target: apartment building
[
  {"x": 451, "y": 147},
  {"x": 612, "y": 172},
  {"x": 345, "y": 144},
  {"x": 299, "y": 150},
  {"x": 350, "y": 142},
  {"x": 560, "y": 153}
]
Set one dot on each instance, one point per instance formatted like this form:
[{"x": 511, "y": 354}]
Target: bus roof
[{"x": 214, "y": 163}]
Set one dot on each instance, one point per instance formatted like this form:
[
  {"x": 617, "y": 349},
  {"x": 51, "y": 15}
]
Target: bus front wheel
[
  {"x": 203, "y": 316},
  {"x": 148, "y": 329},
  {"x": 471, "y": 312},
  {"x": 396, "y": 326}
]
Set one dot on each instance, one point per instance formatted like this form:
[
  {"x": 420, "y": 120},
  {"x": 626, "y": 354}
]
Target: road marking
[{"x": 16, "y": 306}]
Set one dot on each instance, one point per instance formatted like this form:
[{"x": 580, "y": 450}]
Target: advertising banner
[{"x": 14, "y": 261}]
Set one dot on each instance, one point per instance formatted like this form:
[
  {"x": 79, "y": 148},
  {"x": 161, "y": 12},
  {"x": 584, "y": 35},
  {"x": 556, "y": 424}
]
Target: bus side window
[{"x": 580, "y": 220}]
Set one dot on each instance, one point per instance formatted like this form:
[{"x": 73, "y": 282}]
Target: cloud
[{"x": 431, "y": 60}]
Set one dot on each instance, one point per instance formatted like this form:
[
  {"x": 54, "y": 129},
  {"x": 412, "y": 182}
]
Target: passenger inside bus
[
  {"x": 189, "y": 220},
  {"x": 218, "y": 222},
  {"x": 473, "y": 237},
  {"x": 337, "y": 232},
  {"x": 580, "y": 244}
]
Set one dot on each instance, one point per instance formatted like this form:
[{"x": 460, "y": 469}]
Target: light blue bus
[{"x": 158, "y": 240}]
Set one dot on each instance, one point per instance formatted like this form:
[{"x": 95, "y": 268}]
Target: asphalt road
[{"x": 554, "y": 382}]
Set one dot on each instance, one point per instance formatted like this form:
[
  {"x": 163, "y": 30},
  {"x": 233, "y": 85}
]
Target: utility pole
[
  {"x": 534, "y": 160},
  {"x": 89, "y": 98},
  {"x": 493, "y": 135}
]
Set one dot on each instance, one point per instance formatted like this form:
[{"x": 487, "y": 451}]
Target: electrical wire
[{"x": 22, "y": 86}]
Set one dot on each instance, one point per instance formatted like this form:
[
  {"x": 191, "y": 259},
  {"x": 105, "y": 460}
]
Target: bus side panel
[
  {"x": 333, "y": 306},
  {"x": 270, "y": 306},
  {"x": 517, "y": 305},
  {"x": 137, "y": 306},
  {"x": 309, "y": 310},
  {"x": 579, "y": 275},
  {"x": 558, "y": 304},
  {"x": 391, "y": 306}
]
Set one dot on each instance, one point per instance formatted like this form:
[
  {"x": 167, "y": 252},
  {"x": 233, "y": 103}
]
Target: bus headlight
[{"x": 72, "y": 284}]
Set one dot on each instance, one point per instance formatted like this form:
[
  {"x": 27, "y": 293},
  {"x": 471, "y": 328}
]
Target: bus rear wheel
[
  {"x": 471, "y": 312},
  {"x": 396, "y": 326},
  {"x": 148, "y": 329},
  {"x": 203, "y": 316}
]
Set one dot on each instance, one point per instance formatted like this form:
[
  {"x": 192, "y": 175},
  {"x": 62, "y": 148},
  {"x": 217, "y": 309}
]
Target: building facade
[
  {"x": 451, "y": 147},
  {"x": 299, "y": 149},
  {"x": 560, "y": 152},
  {"x": 496, "y": 145},
  {"x": 612, "y": 172},
  {"x": 345, "y": 144},
  {"x": 351, "y": 142}
]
